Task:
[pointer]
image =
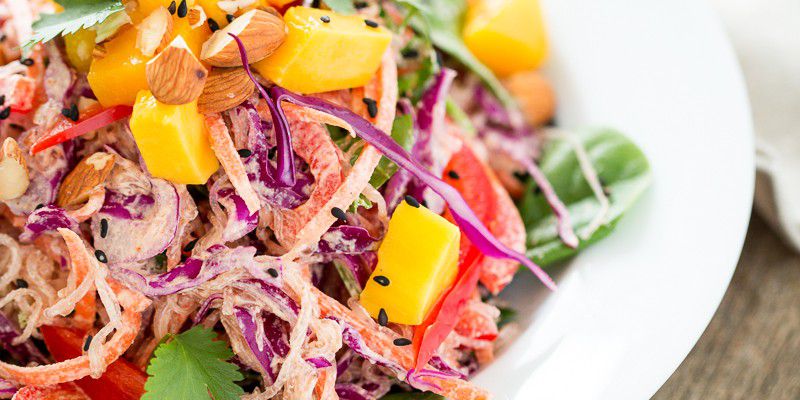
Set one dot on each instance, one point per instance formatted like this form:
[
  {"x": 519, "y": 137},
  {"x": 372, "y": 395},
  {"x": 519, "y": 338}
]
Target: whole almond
[
  {"x": 175, "y": 76},
  {"x": 261, "y": 34},
  {"x": 14, "y": 179},
  {"x": 225, "y": 88},
  {"x": 88, "y": 174},
  {"x": 154, "y": 32},
  {"x": 536, "y": 97}
]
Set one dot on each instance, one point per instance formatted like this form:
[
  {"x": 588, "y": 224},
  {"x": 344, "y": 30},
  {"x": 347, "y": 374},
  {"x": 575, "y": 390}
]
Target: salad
[{"x": 281, "y": 199}]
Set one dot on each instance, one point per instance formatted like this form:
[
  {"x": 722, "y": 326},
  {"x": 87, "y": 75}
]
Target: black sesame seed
[
  {"x": 326, "y": 19},
  {"x": 190, "y": 246},
  {"x": 5, "y": 113},
  {"x": 213, "y": 25},
  {"x": 21, "y": 283},
  {"x": 244, "y": 153},
  {"x": 360, "y": 4},
  {"x": 372, "y": 107},
  {"x": 172, "y": 7},
  {"x": 381, "y": 280},
  {"x": 272, "y": 272},
  {"x": 87, "y": 343},
  {"x": 2, "y": 99},
  {"x": 26, "y": 62},
  {"x": 38, "y": 206},
  {"x": 370, "y": 23},
  {"x": 409, "y": 53},
  {"x": 103, "y": 228},
  {"x": 17, "y": 127},
  {"x": 412, "y": 201},
  {"x": 383, "y": 319},
  {"x": 229, "y": 17},
  {"x": 401, "y": 342},
  {"x": 183, "y": 9},
  {"x": 339, "y": 213},
  {"x": 2, "y": 37},
  {"x": 101, "y": 256},
  {"x": 453, "y": 174},
  {"x": 71, "y": 112},
  {"x": 521, "y": 176}
]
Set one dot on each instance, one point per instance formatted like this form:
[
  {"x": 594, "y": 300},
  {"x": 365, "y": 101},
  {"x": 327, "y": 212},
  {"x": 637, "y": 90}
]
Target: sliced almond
[
  {"x": 87, "y": 175},
  {"x": 260, "y": 32},
  {"x": 196, "y": 16},
  {"x": 536, "y": 97},
  {"x": 225, "y": 88},
  {"x": 14, "y": 179},
  {"x": 154, "y": 32},
  {"x": 175, "y": 76}
]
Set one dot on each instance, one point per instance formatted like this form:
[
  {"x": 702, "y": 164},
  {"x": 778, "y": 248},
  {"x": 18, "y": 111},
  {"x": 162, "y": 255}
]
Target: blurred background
[{"x": 751, "y": 349}]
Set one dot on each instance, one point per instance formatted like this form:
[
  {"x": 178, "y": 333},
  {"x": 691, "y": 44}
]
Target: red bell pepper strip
[
  {"x": 475, "y": 186},
  {"x": 65, "y": 129},
  {"x": 121, "y": 381},
  {"x": 61, "y": 391}
]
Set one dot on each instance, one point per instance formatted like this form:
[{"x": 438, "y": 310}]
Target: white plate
[{"x": 630, "y": 308}]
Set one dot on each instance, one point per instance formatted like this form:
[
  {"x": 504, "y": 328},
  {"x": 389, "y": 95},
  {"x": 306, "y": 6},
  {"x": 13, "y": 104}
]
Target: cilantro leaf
[
  {"x": 77, "y": 14},
  {"x": 341, "y": 6},
  {"x": 192, "y": 366},
  {"x": 403, "y": 134}
]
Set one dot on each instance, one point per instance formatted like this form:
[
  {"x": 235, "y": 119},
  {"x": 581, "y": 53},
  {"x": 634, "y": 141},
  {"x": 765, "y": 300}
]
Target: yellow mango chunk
[
  {"x": 173, "y": 140},
  {"x": 120, "y": 74},
  {"x": 320, "y": 57},
  {"x": 507, "y": 35},
  {"x": 79, "y": 47},
  {"x": 419, "y": 259},
  {"x": 219, "y": 15},
  {"x": 194, "y": 37}
]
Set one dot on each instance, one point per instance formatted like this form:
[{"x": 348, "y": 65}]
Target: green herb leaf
[
  {"x": 403, "y": 134},
  {"x": 413, "y": 396},
  {"x": 77, "y": 14},
  {"x": 622, "y": 168},
  {"x": 341, "y": 6},
  {"x": 192, "y": 366},
  {"x": 443, "y": 20}
]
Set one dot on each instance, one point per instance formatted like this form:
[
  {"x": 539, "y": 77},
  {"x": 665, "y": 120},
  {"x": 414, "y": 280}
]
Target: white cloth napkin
[{"x": 766, "y": 36}]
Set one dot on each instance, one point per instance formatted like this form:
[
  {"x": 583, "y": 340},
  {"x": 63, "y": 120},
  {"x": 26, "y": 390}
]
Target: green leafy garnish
[
  {"x": 403, "y": 134},
  {"x": 621, "y": 167},
  {"x": 191, "y": 365},
  {"x": 443, "y": 21},
  {"x": 77, "y": 14},
  {"x": 341, "y": 6}
]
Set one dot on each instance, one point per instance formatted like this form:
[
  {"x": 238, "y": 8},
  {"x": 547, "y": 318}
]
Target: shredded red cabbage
[
  {"x": 274, "y": 343},
  {"x": 25, "y": 352},
  {"x": 346, "y": 239},
  {"x": 46, "y": 219},
  {"x": 126, "y": 207},
  {"x": 469, "y": 223},
  {"x": 239, "y": 222},
  {"x": 285, "y": 156}
]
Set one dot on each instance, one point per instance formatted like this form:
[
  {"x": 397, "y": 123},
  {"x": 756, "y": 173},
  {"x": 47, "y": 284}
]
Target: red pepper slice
[
  {"x": 475, "y": 186},
  {"x": 121, "y": 381},
  {"x": 62, "y": 391},
  {"x": 65, "y": 129}
]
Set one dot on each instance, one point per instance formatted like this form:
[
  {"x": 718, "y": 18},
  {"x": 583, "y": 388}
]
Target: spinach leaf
[
  {"x": 443, "y": 21},
  {"x": 622, "y": 169}
]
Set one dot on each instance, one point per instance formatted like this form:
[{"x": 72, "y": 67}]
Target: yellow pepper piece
[
  {"x": 79, "y": 47},
  {"x": 120, "y": 74},
  {"x": 419, "y": 258},
  {"x": 507, "y": 35},
  {"x": 173, "y": 140},
  {"x": 320, "y": 57}
]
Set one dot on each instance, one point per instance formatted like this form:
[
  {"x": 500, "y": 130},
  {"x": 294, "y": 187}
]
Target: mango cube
[
  {"x": 507, "y": 35},
  {"x": 120, "y": 74},
  {"x": 79, "y": 47},
  {"x": 419, "y": 260},
  {"x": 173, "y": 140},
  {"x": 320, "y": 56}
]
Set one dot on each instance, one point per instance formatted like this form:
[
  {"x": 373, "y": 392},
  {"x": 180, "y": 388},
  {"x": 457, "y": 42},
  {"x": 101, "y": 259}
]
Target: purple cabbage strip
[
  {"x": 346, "y": 239},
  {"x": 441, "y": 365},
  {"x": 24, "y": 352},
  {"x": 466, "y": 219},
  {"x": 240, "y": 222},
  {"x": 46, "y": 219},
  {"x": 355, "y": 342},
  {"x": 285, "y": 171},
  {"x": 279, "y": 296},
  {"x": 319, "y": 362},
  {"x": 260, "y": 349},
  {"x": 351, "y": 391},
  {"x": 192, "y": 273},
  {"x": 126, "y": 207},
  {"x": 205, "y": 308},
  {"x": 7, "y": 389}
]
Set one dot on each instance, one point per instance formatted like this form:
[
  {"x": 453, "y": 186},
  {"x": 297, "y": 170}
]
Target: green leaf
[
  {"x": 77, "y": 14},
  {"x": 348, "y": 279},
  {"x": 192, "y": 366},
  {"x": 341, "y": 6},
  {"x": 443, "y": 21},
  {"x": 621, "y": 167},
  {"x": 460, "y": 117},
  {"x": 413, "y": 396},
  {"x": 403, "y": 134}
]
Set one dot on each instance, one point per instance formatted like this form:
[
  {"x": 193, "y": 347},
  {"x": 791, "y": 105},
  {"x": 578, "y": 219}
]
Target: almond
[
  {"x": 87, "y": 175},
  {"x": 175, "y": 76},
  {"x": 196, "y": 16},
  {"x": 13, "y": 171},
  {"x": 260, "y": 32},
  {"x": 154, "y": 32},
  {"x": 536, "y": 97},
  {"x": 225, "y": 88}
]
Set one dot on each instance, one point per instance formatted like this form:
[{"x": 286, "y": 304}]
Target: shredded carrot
[
  {"x": 85, "y": 308},
  {"x": 227, "y": 155}
]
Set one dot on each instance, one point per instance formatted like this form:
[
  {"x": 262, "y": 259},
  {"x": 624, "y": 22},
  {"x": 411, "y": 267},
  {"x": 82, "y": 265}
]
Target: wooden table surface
[{"x": 751, "y": 349}]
